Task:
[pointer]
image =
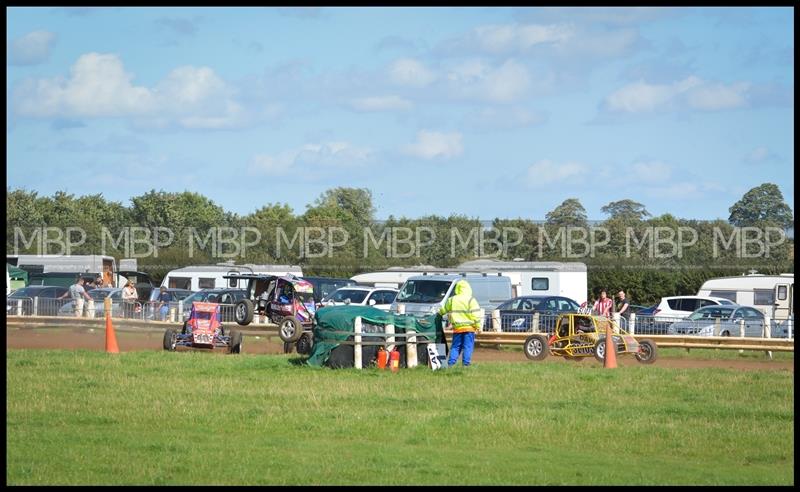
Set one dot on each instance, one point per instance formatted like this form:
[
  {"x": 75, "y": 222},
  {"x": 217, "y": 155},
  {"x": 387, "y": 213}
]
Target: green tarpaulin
[{"x": 334, "y": 325}]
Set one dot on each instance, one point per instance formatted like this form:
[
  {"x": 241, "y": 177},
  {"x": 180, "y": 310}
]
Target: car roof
[{"x": 712, "y": 298}]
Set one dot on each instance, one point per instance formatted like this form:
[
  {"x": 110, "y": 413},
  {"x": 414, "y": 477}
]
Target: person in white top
[{"x": 129, "y": 298}]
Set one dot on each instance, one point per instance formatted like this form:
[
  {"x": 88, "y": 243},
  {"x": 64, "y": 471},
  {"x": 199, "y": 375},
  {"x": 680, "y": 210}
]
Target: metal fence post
[
  {"x": 19, "y": 307},
  {"x": 741, "y": 332},
  {"x": 767, "y": 333},
  {"x": 411, "y": 348},
  {"x": 389, "y": 337},
  {"x": 496, "y": 320},
  {"x": 357, "y": 363},
  {"x": 632, "y": 324},
  {"x": 535, "y": 323}
]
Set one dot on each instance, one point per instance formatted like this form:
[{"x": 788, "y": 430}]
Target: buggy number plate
[{"x": 202, "y": 338}]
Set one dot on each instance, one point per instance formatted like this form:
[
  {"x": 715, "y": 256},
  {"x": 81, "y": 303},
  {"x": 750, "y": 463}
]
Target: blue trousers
[{"x": 461, "y": 341}]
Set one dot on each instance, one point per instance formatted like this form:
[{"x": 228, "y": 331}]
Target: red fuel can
[{"x": 383, "y": 358}]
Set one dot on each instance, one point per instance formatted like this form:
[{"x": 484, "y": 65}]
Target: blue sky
[{"x": 488, "y": 112}]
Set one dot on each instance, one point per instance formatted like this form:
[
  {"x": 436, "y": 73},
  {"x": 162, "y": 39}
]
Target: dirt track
[{"x": 81, "y": 338}]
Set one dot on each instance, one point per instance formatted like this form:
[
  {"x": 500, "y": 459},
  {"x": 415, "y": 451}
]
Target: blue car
[{"x": 517, "y": 314}]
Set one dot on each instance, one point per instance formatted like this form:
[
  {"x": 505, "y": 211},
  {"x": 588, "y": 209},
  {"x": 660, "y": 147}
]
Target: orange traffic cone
[
  {"x": 610, "y": 360},
  {"x": 111, "y": 338}
]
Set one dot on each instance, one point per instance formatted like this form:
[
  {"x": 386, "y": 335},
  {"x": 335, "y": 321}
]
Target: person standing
[
  {"x": 624, "y": 309},
  {"x": 602, "y": 306},
  {"x": 129, "y": 298},
  {"x": 164, "y": 298},
  {"x": 464, "y": 313},
  {"x": 78, "y": 295}
]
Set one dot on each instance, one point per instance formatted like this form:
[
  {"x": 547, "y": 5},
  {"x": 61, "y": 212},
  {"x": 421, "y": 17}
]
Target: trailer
[
  {"x": 199, "y": 277},
  {"x": 772, "y": 294},
  {"x": 67, "y": 266},
  {"x": 568, "y": 279}
]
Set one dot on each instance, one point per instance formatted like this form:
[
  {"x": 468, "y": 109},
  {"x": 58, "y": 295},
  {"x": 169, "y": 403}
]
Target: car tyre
[
  {"x": 600, "y": 350},
  {"x": 244, "y": 312},
  {"x": 648, "y": 352},
  {"x": 235, "y": 346},
  {"x": 170, "y": 340},
  {"x": 535, "y": 347},
  {"x": 290, "y": 330},
  {"x": 288, "y": 347},
  {"x": 304, "y": 344}
]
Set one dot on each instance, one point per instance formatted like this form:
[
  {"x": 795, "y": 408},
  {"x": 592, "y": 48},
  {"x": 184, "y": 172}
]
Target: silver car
[{"x": 703, "y": 322}]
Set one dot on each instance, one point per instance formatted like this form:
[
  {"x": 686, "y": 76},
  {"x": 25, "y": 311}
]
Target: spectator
[
  {"x": 464, "y": 313},
  {"x": 78, "y": 294},
  {"x": 624, "y": 309},
  {"x": 603, "y": 305},
  {"x": 163, "y": 299},
  {"x": 129, "y": 298}
]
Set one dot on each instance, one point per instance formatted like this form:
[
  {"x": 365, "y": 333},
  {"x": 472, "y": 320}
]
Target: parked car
[
  {"x": 325, "y": 286},
  {"x": 517, "y": 314},
  {"x": 703, "y": 321},
  {"x": 175, "y": 295},
  {"x": 99, "y": 295},
  {"x": 227, "y": 297},
  {"x": 379, "y": 297},
  {"x": 47, "y": 304},
  {"x": 657, "y": 319}
]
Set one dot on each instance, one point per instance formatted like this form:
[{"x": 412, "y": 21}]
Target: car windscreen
[
  {"x": 527, "y": 304},
  {"x": 711, "y": 313},
  {"x": 98, "y": 295},
  {"x": 423, "y": 291},
  {"x": 323, "y": 288},
  {"x": 25, "y": 292},
  {"x": 355, "y": 296}
]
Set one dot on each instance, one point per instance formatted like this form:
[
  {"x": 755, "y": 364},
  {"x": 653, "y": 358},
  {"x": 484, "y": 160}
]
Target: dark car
[
  {"x": 227, "y": 297},
  {"x": 649, "y": 323},
  {"x": 517, "y": 314},
  {"x": 47, "y": 303},
  {"x": 325, "y": 286}
]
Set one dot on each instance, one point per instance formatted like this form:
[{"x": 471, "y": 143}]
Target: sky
[{"x": 486, "y": 112}]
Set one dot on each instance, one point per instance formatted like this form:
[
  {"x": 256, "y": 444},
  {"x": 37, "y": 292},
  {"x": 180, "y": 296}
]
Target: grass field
[{"x": 85, "y": 417}]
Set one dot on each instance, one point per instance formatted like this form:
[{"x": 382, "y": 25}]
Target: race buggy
[
  {"x": 203, "y": 329},
  {"x": 578, "y": 336},
  {"x": 286, "y": 301}
]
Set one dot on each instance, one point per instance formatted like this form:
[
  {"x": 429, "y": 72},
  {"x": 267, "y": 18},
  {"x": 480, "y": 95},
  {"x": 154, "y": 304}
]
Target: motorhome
[
  {"x": 93, "y": 265},
  {"x": 425, "y": 294},
  {"x": 212, "y": 276},
  {"x": 772, "y": 294},
  {"x": 549, "y": 278}
]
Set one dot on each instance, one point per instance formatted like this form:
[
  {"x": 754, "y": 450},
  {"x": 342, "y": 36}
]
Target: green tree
[
  {"x": 627, "y": 210},
  {"x": 762, "y": 205},
  {"x": 569, "y": 213}
]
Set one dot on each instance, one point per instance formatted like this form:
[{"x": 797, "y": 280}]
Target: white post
[
  {"x": 36, "y": 306},
  {"x": 89, "y": 306},
  {"x": 632, "y": 324},
  {"x": 741, "y": 332},
  {"x": 535, "y": 323},
  {"x": 401, "y": 309},
  {"x": 357, "y": 343},
  {"x": 180, "y": 311},
  {"x": 767, "y": 333},
  {"x": 19, "y": 307},
  {"x": 411, "y": 349},
  {"x": 789, "y": 321},
  {"x": 717, "y": 324},
  {"x": 389, "y": 337},
  {"x": 482, "y": 318},
  {"x": 172, "y": 311},
  {"x": 616, "y": 322},
  {"x": 496, "y": 320}
]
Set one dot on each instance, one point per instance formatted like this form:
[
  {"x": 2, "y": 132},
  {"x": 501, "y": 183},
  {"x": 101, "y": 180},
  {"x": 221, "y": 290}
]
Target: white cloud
[
  {"x": 546, "y": 172},
  {"x": 410, "y": 72},
  {"x": 381, "y": 103},
  {"x": 510, "y": 37},
  {"x": 759, "y": 155},
  {"x": 30, "y": 49},
  {"x": 311, "y": 158},
  {"x": 99, "y": 86},
  {"x": 651, "y": 171},
  {"x": 430, "y": 145},
  {"x": 505, "y": 118},
  {"x": 691, "y": 92},
  {"x": 475, "y": 79}
]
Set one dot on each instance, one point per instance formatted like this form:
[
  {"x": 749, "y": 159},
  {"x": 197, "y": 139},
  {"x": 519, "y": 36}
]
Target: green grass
[
  {"x": 695, "y": 354},
  {"x": 84, "y": 417}
]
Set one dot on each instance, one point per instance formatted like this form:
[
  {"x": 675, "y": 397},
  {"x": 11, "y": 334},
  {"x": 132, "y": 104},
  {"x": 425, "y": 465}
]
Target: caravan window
[
  {"x": 540, "y": 283},
  {"x": 180, "y": 283},
  {"x": 725, "y": 294},
  {"x": 205, "y": 283},
  {"x": 781, "y": 292},
  {"x": 763, "y": 297}
]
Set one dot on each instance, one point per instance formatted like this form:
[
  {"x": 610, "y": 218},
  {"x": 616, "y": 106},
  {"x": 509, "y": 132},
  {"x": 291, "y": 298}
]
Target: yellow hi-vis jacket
[{"x": 462, "y": 309}]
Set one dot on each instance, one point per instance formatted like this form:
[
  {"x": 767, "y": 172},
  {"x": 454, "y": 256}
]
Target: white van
[
  {"x": 426, "y": 294},
  {"x": 211, "y": 276},
  {"x": 773, "y": 295}
]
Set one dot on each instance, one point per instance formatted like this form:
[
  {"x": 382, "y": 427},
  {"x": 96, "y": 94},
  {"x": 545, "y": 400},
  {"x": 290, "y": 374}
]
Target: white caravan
[
  {"x": 211, "y": 276},
  {"x": 91, "y": 264},
  {"x": 772, "y": 294},
  {"x": 527, "y": 277}
]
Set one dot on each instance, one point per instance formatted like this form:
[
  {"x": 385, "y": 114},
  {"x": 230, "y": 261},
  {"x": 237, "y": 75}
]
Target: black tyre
[
  {"x": 647, "y": 353},
  {"x": 304, "y": 344},
  {"x": 170, "y": 339},
  {"x": 288, "y": 347},
  {"x": 600, "y": 350},
  {"x": 725, "y": 333},
  {"x": 535, "y": 347},
  {"x": 290, "y": 330},
  {"x": 235, "y": 346},
  {"x": 244, "y": 312}
]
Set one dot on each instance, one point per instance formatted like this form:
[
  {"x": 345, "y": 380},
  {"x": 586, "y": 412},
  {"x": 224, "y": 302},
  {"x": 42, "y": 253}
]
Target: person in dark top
[
  {"x": 624, "y": 309},
  {"x": 164, "y": 298}
]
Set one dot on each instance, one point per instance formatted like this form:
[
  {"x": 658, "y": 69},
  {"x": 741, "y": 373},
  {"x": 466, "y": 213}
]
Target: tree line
[{"x": 621, "y": 252}]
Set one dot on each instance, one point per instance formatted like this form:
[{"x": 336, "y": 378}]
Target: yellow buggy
[{"x": 584, "y": 335}]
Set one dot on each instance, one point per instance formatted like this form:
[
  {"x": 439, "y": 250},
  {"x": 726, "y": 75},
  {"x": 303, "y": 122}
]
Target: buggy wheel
[
  {"x": 235, "y": 346},
  {"x": 600, "y": 350},
  {"x": 290, "y": 329},
  {"x": 304, "y": 344},
  {"x": 288, "y": 347},
  {"x": 170, "y": 339},
  {"x": 647, "y": 352},
  {"x": 244, "y": 312},
  {"x": 535, "y": 347}
]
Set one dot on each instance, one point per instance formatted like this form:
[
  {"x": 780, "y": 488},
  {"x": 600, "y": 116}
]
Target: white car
[
  {"x": 379, "y": 297},
  {"x": 679, "y": 307}
]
